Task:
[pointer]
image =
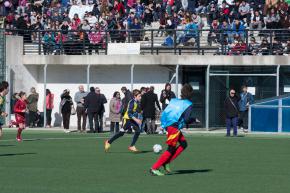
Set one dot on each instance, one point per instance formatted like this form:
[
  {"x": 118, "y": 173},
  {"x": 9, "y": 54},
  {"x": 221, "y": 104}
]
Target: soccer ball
[{"x": 157, "y": 148}]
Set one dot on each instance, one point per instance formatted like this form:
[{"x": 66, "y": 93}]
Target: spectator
[
  {"x": 66, "y": 109},
  {"x": 232, "y": 112},
  {"x": 244, "y": 11},
  {"x": 49, "y": 107},
  {"x": 32, "y": 101},
  {"x": 239, "y": 48},
  {"x": 237, "y": 30},
  {"x": 93, "y": 108},
  {"x": 190, "y": 32},
  {"x": 127, "y": 97},
  {"x": 264, "y": 47},
  {"x": 136, "y": 33},
  {"x": 277, "y": 47},
  {"x": 48, "y": 42},
  {"x": 148, "y": 104},
  {"x": 166, "y": 96},
  {"x": 246, "y": 99},
  {"x": 102, "y": 101},
  {"x": 79, "y": 98},
  {"x": 115, "y": 112},
  {"x": 272, "y": 19},
  {"x": 253, "y": 47},
  {"x": 257, "y": 21}
]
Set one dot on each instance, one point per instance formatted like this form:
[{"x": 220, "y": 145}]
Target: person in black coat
[
  {"x": 103, "y": 101},
  {"x": 232, "y": 112},
  {"x": 148, "y": 102},
  {"x": 66, "y": 106},
  {"x": 127, "y": 97},
  {"x": 166, "y": 96},
  {"x": 93, "y": 107}
]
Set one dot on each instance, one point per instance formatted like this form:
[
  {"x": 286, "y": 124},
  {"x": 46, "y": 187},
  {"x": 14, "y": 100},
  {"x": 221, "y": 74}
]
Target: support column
[
  {"x": 207, "y": 84},
  {"x": 280, "y": 116},
  {"x": 88, "y": 77},
  {"x": 8, "y": 96},
  {"x": 176, "y": 80},
  {"x": 44, "y": 94},
  {"x": 132, "y": 77},
  {"x": 250, "y": 119},
  {"x": 278, "y": 81}
]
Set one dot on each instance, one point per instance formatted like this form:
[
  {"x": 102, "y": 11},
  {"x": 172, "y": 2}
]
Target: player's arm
[{"x": 189, "y": 117}]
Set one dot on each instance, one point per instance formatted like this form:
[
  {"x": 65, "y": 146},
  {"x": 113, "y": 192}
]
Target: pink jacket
[{"x": 49, "y": 101}]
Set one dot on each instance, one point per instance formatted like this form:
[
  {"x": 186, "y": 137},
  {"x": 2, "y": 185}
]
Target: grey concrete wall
[
  {"x": 156, "y": 60},
  {"x": 23, "y": 77}
]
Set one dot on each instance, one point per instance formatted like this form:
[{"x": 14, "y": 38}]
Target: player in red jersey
[{"x": 19, "y": 110}]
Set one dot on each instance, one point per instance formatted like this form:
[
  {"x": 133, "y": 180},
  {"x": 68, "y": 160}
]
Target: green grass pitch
[{"x": 54, "y": 162}]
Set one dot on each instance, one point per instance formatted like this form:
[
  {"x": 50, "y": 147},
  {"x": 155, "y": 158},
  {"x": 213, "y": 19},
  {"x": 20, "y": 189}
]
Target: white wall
[{"x": 108, "y": 79}]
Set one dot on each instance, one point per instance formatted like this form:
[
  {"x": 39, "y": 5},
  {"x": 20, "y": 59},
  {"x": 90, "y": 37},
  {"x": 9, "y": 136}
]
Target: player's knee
[
  {"x": 171, "y": 149},
  {"x": 183, "y": 144}
]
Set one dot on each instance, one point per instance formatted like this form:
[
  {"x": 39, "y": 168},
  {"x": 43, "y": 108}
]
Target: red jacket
[
  {"x": 20, "y": 106},
  {"x": 49, "y": 101}
]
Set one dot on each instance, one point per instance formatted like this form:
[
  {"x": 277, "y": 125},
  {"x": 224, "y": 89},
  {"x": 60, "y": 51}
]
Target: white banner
[{"x": 123, "y": 48}]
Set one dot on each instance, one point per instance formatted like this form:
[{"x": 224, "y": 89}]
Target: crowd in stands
[{"x": 228, "y": 22}]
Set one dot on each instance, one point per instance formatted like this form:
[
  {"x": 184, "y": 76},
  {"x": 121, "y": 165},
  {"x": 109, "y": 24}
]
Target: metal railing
[{"x": 154, "y": 41}]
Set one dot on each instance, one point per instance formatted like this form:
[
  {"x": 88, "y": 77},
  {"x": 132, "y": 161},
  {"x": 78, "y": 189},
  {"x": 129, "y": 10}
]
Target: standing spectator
[
  {"x": 257, "y": 21},
  {"x": 49, "y": 107},
  {"x": 166, "y": 95},
  {"x": 115, "y": 112},
  {"x": 127, "y": 97},
  {"x": 232, "y": 112},
  {"x": 66, "y": 107},
  {"x": 32, "y": 106},
  {"x": 246, "y": 99},
  {"x": 148, "y": 103},
  {"x": 81, "y": 112},
  {"x": 103, "y": 101},
  {"x": 92, "y": 106}
]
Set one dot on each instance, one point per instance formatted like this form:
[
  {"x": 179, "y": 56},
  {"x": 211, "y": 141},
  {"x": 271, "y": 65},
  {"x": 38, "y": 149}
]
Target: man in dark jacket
[
  {"x": 232, "y": 112},
  {"x": 103, "y": 101},
  {"x": 93, "y": 107},
  {"x": 148, "y": 102},
  {"x": 166, "y": 96},
  {"x": 127, "y": 97}
]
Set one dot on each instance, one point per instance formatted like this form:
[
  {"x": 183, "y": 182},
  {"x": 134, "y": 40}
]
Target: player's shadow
[
  {"x": 6, "y": 145},
  {"x": 191, "y": 171},
  {"x": 15, "y": 154},
  {"x": 139, "y": 152}
]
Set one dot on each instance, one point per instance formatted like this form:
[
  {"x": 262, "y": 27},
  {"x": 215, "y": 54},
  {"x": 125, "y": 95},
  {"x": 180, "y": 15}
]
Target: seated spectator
[
  {"x": 191, "y": 31},
  {"x": 48, "y": 42},
  {"x": 237, "y": 29},
  {"x": 244, "y": 12},
  {"x": 239, "y": 48},
  {"x": 197, "y": 20},
  {"x": 264, "y": 47},
  {"x": 214, "y": 33},
  {"x": 91, "y": 19},
  {"x": 96, "y": 39},
  {"x": 257, "y": 21},
  {"x": 148, "y": 16},
  {"x": 168, "y": 40},
  {"x": 212, "y": 12},
  {"x": 136, "y": 33},
  {"x": 272, "y": 19},
  {"x": 253, "y": 47},
  {"x": 277, "y": 47}
]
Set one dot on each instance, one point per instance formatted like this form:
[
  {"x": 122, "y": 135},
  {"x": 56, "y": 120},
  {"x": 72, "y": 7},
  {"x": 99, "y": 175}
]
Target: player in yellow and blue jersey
[{"x": 131, "y": 119}]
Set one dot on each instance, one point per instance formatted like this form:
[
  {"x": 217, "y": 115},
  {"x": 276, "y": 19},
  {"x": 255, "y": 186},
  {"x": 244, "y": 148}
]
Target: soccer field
[{"x": 53, "y": 162}]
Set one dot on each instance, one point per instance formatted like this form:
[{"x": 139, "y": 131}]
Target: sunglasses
[{"x": 233, "y": 93}]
